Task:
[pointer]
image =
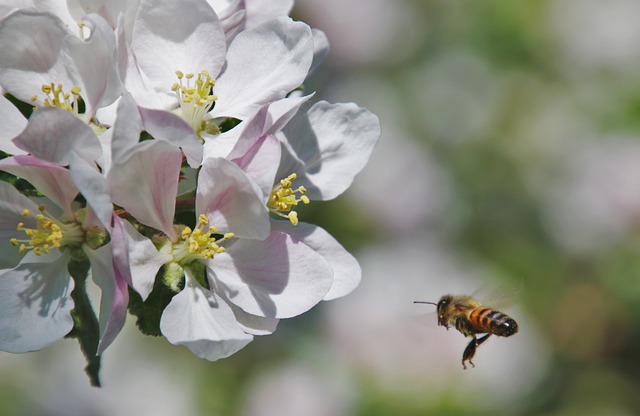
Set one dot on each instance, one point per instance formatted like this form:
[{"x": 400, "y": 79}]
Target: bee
[{"x": 471, "y": 318}]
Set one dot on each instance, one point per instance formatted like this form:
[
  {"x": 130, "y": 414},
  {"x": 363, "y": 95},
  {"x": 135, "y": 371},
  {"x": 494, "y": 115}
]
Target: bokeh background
[{"x": 509, "y": 159}]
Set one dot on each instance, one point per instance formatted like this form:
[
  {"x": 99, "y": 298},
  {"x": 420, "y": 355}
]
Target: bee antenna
[{"x": 422, "y": 301}]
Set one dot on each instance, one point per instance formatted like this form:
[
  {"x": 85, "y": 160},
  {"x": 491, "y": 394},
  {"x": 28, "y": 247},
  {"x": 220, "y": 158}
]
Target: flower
[
  {"x": 320, "y": 150},
  {"x": 232, "y": 276},
  {"x": 45, "y": 64},
  {"x": 76, "y": 235},
  {"x": 195, "y": 75}
]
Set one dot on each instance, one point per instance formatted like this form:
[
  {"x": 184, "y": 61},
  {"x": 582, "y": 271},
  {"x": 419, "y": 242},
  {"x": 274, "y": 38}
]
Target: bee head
[{"x": 443, "y": 309}]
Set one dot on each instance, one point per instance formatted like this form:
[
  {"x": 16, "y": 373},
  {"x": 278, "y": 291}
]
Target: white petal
[
  {"x": 331, "y": 143},
  {"x": 230, "y": 200},
  {"x": 114, "y": 291},
  {"x": 202, "y": 322},
  {"x": 52, "y": 180},
  {"x": 346, "y": 270},
  {"x": 260, "y": 11},
  {"x": 12, "y": 203},
  {"x": 30, "y": 43},
  {"x": 35, "y": 304},
  {"x": 170, "y": 35},
  {"x": 93, "y": 187},
  {"x": 277, "y": 277},
  {"x": 146, "y": 184},
  {"x": 144, "y": 260},
  {"x": 13, "y": 122},
  {"x": 163, "y": 125},
  {"x": 52, "y": 134},
  {"x": 263, "y": 65}
]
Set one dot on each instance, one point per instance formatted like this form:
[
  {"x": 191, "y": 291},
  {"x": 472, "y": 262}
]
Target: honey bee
[{"x": 471, "y": 318}]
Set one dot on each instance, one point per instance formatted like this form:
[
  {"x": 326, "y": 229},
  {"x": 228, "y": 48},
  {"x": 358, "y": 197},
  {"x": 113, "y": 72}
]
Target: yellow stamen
[
  {"x": 200, "y": 243},
  {"x": 194, "y": 96},
  {"x": 47, "y": 233},
  {"x": 283, "y": 199}
]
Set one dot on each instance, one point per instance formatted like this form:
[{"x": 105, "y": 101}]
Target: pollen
[
  {"x": 201, "y": 243},
  {"x": 47, "y": 234},
  {"x": 284, "y": 198},
  {"x": 55, "y": 96},
  {"x": 195, "y": 96}
]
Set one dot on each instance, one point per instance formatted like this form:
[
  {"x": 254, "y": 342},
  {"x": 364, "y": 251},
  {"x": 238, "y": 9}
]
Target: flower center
[
  {"x": 195, "y": 97},
  {"x": 47, "y": 233},
  {"x": 198, "y": 244},
  {"x": 283, "y": 199},
  {"x": 54, "y": 96}
]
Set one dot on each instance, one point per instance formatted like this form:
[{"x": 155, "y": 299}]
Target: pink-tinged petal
[
  {"x": 276, "y": 278},
  {"x": 263, "y": 65},
  {"x": 115, "y": 295},
  {"x": 346, "y": 270},
  {"x": 171, "y": 128},
  {"x": 35, "y": 304},
  {"x": 13, "y": 122},
  {"x": 269, "y": 119},
  {"x": 261, "y": 163},
  {"x": 328, "y": 146},
  {"x": 53, "y": 134},
  {"x": 230, "y": 200},
  {"x": 146, "y": 184},
  {"x": 144, "y": 260},
  {"x": 170, "y": 35},
  {"x": 202, "y": 322},
  {"x": 93, "y": 58},
  {"x": 126, "y": 129},
  {"x": 52, "y": 180},
  {"x": 30, "y": 43},
  {"x": 12, "y": 203},
  {"x": 94, "y": 188}
]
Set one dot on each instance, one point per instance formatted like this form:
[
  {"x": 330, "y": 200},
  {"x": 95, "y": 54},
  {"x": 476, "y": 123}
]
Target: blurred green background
[{"x": 509, "y": 160}]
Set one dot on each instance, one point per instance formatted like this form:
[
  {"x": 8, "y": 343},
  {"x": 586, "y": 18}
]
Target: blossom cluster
[{"x": 163, "y": 148}]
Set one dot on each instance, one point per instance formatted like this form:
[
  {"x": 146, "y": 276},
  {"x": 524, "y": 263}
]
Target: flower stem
[{"x": 85, "y": 323}]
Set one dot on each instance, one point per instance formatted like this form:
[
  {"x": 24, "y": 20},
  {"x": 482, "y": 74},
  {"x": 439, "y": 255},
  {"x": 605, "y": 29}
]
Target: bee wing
[{"x": 499, "y": 297}]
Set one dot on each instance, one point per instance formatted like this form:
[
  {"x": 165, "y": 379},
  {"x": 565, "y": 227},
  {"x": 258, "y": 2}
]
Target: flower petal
[
  {"x": 163, "y": 125},
  {"x": 35, "y": 304},
  {"x": 52, "y": 180},
  {"x": 169, "y": 36},
  {"x": 146, "y": 184},
  {"x": 13, "y": 122},
  {"x": 30, "y": 43},
  {"x": 144, "y": 260},
  {"x": 12, "y": 203},
  {"x": 346, "y": 270},
  {"x": 53, "y": 134},
  {"x": 331, "y": 143},
  {"x": 94, "y": 188},
  {"x": 202, "y": 322},
  {"x": 263, "y": 65},
  {"x": 115, "y": 296},
  {"x": 230, "y": 200},
  {"x": 276, "y": 278}
]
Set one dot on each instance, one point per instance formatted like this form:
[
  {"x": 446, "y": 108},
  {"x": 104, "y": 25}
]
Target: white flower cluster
[{"x": 166, "y": 149}]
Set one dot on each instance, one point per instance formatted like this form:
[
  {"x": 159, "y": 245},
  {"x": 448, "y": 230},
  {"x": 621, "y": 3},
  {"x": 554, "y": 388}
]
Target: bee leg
[
  {"x": 469, "y": 352},
  {"x": 483, "y": 339}
]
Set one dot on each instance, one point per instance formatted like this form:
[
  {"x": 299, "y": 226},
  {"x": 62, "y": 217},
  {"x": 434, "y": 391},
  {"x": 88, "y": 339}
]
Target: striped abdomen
[{"x": 487, "y": 320}]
